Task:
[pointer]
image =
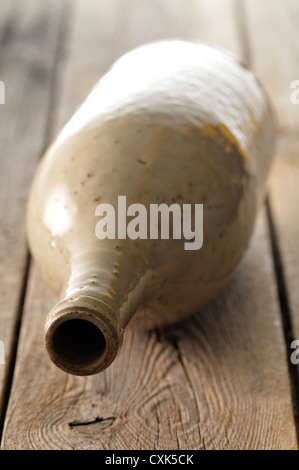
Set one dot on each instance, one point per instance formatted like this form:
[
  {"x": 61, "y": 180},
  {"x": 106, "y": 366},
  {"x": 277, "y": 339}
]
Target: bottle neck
[{"x": 84, "y": 330}]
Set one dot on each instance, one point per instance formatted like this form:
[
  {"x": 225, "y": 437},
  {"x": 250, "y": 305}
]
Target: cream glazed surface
[{"x": 172, "y": 122}]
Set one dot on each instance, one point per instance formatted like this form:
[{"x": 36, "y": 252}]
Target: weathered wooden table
[{"x": 221, "y": 380}]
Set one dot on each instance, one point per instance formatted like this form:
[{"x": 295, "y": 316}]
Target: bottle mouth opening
[{"x": 81, "y": 342}]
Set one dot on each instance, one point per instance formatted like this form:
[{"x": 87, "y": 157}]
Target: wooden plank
[
  {"x": 28, "y": 52},
  {"x": 278, "y": 67},
  {"x": 274, "y": 45},
  {"x": 284, "y": 203},
  {"x": 218, "y": 380}
]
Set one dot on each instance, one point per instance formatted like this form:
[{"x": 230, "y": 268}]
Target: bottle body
[{"x": 195, "y": 128}]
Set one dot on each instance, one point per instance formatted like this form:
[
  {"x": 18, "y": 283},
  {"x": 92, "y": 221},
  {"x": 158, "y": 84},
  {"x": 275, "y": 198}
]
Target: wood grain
[
  {"x": 28, "y": 51},
  {"x": 217, "y": 381}
]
